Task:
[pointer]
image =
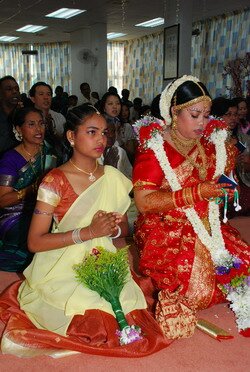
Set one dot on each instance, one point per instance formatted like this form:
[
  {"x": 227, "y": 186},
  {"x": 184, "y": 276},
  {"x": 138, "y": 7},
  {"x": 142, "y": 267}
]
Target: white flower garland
[
  {"x": 240, "y": 304},
  {"x": 240, "y": 299},
  {"x": 215, "y": 242}
]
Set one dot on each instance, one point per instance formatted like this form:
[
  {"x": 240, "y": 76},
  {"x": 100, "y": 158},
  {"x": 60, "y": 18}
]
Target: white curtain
[
  {"x": 221, "y": 40},
  {"x": 115, "y": 55},
  {"x": 52, "y": 64}
]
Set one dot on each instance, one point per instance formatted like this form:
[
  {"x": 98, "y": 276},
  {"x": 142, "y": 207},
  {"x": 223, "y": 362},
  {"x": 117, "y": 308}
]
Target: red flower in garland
[
  {"x": 214, "y": 125},
  {"x": 146, "y": 132}
]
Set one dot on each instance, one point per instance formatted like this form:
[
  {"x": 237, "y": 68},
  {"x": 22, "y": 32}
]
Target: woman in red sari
[{"x": 194, "y": 260}]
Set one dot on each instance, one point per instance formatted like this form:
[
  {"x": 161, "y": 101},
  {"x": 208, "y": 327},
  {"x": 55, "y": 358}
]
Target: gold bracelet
[
  {"x": 174, "y": 201},
  {"x": 34, "y": 187},
  {"x": 20, "y": 194},
  {"x": 185, "y": 199},
  {"x": 189, "y": 196},
  {"x": 199, "y": 192}
]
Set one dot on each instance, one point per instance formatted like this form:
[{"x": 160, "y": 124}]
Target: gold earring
[{"x": 174, "y": 121}]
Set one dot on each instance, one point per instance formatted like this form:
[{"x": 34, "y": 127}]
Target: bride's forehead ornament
[{"x": 168, "y": 93}]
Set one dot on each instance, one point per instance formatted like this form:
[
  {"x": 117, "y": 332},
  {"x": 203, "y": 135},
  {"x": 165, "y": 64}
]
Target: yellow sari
[{"x": 50, "y": 295}]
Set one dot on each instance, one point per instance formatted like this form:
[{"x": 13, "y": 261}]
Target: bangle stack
[
  {"x": 76, "y": 237},
  {"x": 187, "y": 196},
  {"x": 118, "y": 233}
]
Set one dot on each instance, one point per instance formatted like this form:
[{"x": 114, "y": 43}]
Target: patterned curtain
[
  {"x": 143, "y": 67},
  {"x": 221, "y": 40},
  {"x": 52, "y": 64},
  {"x": 115, "y": 55}
]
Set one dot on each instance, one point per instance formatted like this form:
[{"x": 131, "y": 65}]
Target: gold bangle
[
  {"x": 173, "y": 198},
  {"x": 199, "y": 192},
  {"x": 184, "y": 196},
  {"x": 189, "y": 196},
  {"x": 34, "y": 186},
  {"x": 20, "y": 194}
]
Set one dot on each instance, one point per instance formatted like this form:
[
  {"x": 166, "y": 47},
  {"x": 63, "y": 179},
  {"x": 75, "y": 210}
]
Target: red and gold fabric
[
  {"x": 170, "y": 251},
  {"x": 50, "y": 312}
]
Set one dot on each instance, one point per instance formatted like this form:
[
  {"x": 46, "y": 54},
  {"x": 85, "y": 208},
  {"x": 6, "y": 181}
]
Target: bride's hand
[{"x": 214, "y": 190}]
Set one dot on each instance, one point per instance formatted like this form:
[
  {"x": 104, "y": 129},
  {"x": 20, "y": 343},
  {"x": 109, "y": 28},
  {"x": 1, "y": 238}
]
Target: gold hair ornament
[{"x": 168, "y": 93}]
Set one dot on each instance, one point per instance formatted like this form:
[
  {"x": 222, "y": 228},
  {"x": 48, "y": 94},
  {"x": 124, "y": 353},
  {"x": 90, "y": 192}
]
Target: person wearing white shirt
[
  {"x": 86, "y": 95},
  {"x": 41, "y": 95},
  {"x": 115, "y": 155}
]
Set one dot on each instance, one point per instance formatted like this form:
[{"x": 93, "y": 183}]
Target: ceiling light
[
  {"x": 65, "y": 13},
  {"x": 152, "y": 23},
  {"x": 114, "y": 35},
  {"x": 31, "y": 28},
  {"x": 8, "y": 38}
]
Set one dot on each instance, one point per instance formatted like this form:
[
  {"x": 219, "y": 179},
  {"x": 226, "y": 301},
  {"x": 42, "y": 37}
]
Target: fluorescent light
[
  {"x": 8, "y": 38},
  {"x": 152, "y": 23},
  {"x": 114, "y": 35},
  {"x": 31, "y": 28},
  {"x": 65, "y": 13}
]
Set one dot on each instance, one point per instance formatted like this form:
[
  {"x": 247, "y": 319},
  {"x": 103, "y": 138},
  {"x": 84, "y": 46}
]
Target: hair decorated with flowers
[{"x": 169, "y": 98}]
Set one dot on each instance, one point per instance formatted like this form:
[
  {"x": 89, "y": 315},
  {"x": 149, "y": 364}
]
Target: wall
[{"x": 95, "y": 73}]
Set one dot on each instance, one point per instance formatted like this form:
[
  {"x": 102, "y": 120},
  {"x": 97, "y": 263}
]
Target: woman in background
[
  {"x": 21, "y": 170},
  {"x": 227, "y": 110},
  {"x": 111, "y": 107}
]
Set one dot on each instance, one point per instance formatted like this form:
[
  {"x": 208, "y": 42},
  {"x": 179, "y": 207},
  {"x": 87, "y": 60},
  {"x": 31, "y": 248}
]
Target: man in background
[
  {"x": 59, "y": 101},
  {"x": 10, "y": 100},
  {"x": 86, "y": 95},
  {"x": 41, "y": 95}
]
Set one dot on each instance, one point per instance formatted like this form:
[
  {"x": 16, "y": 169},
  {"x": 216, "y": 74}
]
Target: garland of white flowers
[
  {"x": 239, "y": 297},
  {"x": 214, "y": 242}
]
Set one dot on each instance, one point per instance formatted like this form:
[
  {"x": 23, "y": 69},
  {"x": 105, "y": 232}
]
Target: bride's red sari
[{"x": 170, "y": 251}]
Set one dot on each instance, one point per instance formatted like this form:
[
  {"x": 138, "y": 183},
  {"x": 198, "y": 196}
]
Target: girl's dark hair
[
  {"x": 19, "y": 115},
  {"x": 188, "y": 91},
  {"x": 76, "y": 116},
  {"x": 104, "y": 99},
  {"x": 74, "y": 119}
]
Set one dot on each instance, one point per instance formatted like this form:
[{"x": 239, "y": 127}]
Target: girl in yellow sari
[{"x": 50, "y": 312}]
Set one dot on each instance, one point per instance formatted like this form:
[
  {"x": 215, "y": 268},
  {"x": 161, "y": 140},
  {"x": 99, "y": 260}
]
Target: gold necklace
[
  {"x": 32, "y": 160},
  {"x": 91, "y": 177},
  {"x": 202, "y": 168},
  {"x": 184, "y": 144},
  {"x": 32, "y": 157}
]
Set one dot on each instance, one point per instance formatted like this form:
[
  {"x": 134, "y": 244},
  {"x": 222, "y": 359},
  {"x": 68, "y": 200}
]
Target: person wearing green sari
[{"x": 21, "y": 168}]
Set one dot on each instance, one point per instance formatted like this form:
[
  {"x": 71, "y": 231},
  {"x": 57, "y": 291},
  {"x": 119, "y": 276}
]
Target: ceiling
[{"x": 18, "y": 13}]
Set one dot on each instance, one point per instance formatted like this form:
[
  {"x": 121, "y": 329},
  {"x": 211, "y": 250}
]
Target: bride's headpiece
[{"x": 167, "y": 95}]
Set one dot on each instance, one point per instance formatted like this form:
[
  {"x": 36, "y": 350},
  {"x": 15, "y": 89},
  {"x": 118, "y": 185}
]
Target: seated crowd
[{"x": 68, "y": 165}]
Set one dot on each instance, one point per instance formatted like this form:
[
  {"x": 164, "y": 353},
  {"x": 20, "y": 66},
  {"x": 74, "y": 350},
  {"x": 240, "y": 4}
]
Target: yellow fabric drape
[{"x": 50, "y": 295}]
